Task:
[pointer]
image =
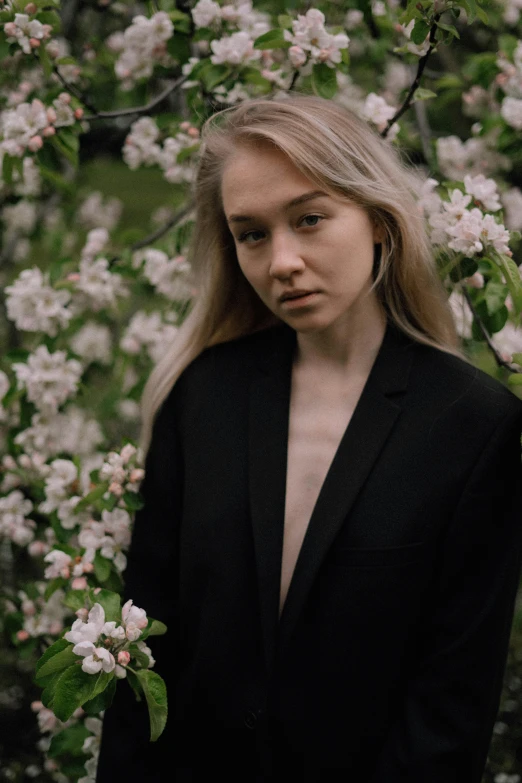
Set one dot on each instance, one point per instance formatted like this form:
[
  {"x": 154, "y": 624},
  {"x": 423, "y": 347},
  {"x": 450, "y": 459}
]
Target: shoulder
[{"x": 457, "y": 390}]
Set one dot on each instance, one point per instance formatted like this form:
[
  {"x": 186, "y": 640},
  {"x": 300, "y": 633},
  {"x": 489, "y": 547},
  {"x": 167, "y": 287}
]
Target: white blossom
[
  {"x": 376, "y": 110},
  {"x": 310, "y": 34},
  {"x": 144, "y": 44},
  {"x": 93, "y": 343},
  {"x": 485, "y": 190},
  {"x": 147, "y": 331},
  {"x": 236, "y": 49},
  {"x": 512, "y": 203},
  {"x": 35, "y": 306},
  {"x": 60, "y": 563},
  {"x": 14, "y": 524},
  {"x": 134, "y": 620},
  {"x": 94, "y": 658},
  {"x": 95, "y": 212},
  {"x": 461, "y": 313},
  {"x": 20, "y": 125},
  {"x": 205, "y": 13},
  {"x": 140, "y": 146},
  {"x": 70, "y": 431},
  {"x": 511, "y": 111},
  {"x": 100, "y": 286},
  {"x": 474, "y": 156},
  {"x": 49, "y": 378},
  {"x": 19, "y": 218}
]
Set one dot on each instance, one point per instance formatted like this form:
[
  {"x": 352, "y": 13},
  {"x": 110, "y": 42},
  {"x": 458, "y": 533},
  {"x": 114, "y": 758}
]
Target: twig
[
  {"x": 165, "y": 228},
  {"x": 416, "y": 82},
  {"x": 72, "y": 89},
  {"x": 487, "y": 337},
  {"x": 108, "y": 115}
]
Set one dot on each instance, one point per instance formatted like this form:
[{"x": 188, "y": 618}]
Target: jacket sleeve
[
  {"x": 443, "y": 729},
  {"x": 150, "y": 581}
]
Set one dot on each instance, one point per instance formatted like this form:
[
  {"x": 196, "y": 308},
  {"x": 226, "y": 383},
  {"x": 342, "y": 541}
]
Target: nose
[{"x": 285, "y": 256}]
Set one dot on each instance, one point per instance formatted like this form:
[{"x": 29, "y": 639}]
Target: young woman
[{"x": 332, "y": 524}]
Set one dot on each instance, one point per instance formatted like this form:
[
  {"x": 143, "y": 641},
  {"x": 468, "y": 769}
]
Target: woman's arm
[
  {"x": 444, "y": 728},
  {"x": 150, "y": 581}
]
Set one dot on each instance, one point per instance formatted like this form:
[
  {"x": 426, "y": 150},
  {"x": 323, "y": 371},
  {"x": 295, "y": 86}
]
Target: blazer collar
[{"x": 373, "y": 419}]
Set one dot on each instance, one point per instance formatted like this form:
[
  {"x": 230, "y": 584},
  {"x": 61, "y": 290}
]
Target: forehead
[{"x": 257, "y": 174}]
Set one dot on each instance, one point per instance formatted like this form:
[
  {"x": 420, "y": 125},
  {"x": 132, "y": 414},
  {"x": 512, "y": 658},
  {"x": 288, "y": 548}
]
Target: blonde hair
[{"x": 340, "y": 153}]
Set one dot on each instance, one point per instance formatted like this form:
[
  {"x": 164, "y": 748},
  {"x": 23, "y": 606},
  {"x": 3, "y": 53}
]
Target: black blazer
[{"x": 387, "y": 663}]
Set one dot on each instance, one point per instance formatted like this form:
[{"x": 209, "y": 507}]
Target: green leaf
[
  {"x": 49, "y": 691},
  {"x": 494, "y": 296},
  {"x": 111, "y": 603},
  {"x": 102, "y": 567},
  {"x": 493, "y": 323},
  {"x": 57, "y": 663},
  {"x": 421, "y": 94},
  {"x": 324, "y": 80},
  {"x": 135, "y": 685},
  {"x": 465, "y": 267},
  {"x": 59, "y": 144},
  {"x": 514, "y": 283},
  {"x": 449, "y": 29},
  {"x": 285, "y": 21},
  {"x": 517, "y": 358},
  {"x": 420, "y": 32},
  {"x": 7, "y": 169},
  {"x": 156, "y": 696},
  {"x": 212, "y": 75},
  {"x": 156, "y": 628},
  {"x": 133, "y": 500},
  {"x": 515, "y": 379},
  {"x": 69, "y": 742},
  {"x": 273, "y": 39},
  {"x": 45, "y": 61},
  {"x": 74, "y": 688},
  {"x": 53, "y": 586},
  {"x": 76, "y": 599},
  {"x": 103, "y": 700},
  {"x": 92, "y": 497},
  {"x": 140, "y": 657},
  {"x": 51, "y": 651}
]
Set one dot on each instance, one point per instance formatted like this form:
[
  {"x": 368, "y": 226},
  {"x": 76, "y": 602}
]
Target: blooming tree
[{"x": 441, "y": 79}]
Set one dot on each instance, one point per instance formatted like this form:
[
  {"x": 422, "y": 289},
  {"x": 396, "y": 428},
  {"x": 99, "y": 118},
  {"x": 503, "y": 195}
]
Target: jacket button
[{"x": 250, "y": 719}]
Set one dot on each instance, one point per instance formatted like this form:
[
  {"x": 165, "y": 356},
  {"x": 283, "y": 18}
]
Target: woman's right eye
[{"x": 250, "y": 237}]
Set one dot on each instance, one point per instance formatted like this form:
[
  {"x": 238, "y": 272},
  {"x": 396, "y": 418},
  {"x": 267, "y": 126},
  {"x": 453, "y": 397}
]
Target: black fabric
[{"x": 387, "y": 663}]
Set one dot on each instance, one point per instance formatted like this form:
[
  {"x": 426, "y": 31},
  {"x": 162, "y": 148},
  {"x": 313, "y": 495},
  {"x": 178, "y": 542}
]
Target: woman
[{"x": 332, "y": 527}]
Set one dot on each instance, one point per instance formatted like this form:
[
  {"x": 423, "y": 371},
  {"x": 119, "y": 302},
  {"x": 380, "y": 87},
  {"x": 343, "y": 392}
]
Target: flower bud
[
  {"x": 78, "y": 113},
  {"x": 184, "y": 126},
  {"x": 297, "y": 56},
  {"x": 10, "y": 29},
  {"x": 73, "y": 277},
  {"x": 79, "y": 583},
  {"x": 193, "y": 133},
  {"x": 49, "y": 131},
  {"x": 36, "y": 706},
  {"x": 22, "y": 636},
  {"x": 35, "y": 43},
  {"x": 30, "y": 8},
  {"x": 116, "y": 489},
  {"x": 38, "y": 548},
  {"x": 51, "y": 114},
  {"x": 88, "y": 568},
  {"x": 136, "y": 475},
  {"x": 35, "y": 143},
  {"x": 64, "y": 97},
  {"x": 82, "y": 614},
  {"x": 56, "y": 627},
  {"x": 65, "y": 572},
  {"x": 123, "y": 658},
  {"x": 97, "y": 590},
  {"x": 25, "y": 461}
]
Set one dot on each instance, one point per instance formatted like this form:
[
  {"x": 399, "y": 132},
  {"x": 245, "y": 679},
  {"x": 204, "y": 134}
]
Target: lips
[{"x": 295, "y": 294}]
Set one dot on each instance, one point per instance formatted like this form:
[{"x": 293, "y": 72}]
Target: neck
[{"x": 344, "y": 346}]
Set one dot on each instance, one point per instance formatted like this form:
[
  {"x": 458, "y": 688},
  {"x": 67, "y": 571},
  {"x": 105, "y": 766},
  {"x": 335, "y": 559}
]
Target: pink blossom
[
  {"x": 78, "y": 113},
  {"x": 123, "y": 658},
  {"x": 35, "y": 143},
  {"x": 22, "y": 636}
]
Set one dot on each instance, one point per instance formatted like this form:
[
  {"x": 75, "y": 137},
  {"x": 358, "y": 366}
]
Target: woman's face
[{"x": 307, "y": 254}]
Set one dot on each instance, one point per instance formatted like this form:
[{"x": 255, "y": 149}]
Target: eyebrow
[{"x": 293, "y": 203}]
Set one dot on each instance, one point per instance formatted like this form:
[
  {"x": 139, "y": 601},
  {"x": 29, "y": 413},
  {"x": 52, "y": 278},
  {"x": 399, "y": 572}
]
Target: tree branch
[
  {"x": 109, "y": 115},
  {"x": 162, "y": 230},
  {"x": 487, "y": 337},
  {"x": 416, "y": 82},
  {"x": 73, "y": 91}
]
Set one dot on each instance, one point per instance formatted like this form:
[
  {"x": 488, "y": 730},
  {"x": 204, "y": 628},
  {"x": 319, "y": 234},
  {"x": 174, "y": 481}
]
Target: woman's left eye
[{"x": 310, "y": 220}]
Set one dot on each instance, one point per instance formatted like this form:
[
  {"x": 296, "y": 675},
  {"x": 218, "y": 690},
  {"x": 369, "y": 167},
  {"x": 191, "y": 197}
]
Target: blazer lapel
[
  {"x": 370, "y": 426},
  {"x": 268, "y": 441}
]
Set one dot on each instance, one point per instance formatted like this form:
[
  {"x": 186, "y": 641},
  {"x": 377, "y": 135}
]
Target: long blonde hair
[{"x": 341, "y": 154}]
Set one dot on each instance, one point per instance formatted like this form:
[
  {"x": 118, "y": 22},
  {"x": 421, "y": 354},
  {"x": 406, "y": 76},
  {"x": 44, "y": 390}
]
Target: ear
[{"x": 379, "y": 233}]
